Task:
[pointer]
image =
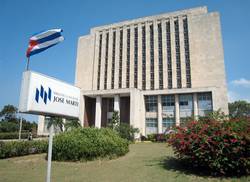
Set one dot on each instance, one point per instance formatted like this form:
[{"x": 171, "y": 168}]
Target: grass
[{"x": 147, "y": 162}]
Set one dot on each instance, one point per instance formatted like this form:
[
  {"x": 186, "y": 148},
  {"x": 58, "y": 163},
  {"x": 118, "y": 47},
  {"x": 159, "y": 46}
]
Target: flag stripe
[
  {"x": 48, "y": 38},
  {"x": 48, "y": 43},
  {"x": 36, "y": 51},
  {"x": 45, "y": 34}
]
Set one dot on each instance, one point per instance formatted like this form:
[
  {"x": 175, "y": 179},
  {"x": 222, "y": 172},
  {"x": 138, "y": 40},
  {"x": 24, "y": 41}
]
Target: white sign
[{"x": 44, "y": 95}]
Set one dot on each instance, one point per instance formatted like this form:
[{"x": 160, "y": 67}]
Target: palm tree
[
  {"x": 71, "y": 123},
  {"x": 56, "y": 121}
]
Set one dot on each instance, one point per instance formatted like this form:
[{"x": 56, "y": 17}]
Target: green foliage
[
  {"x": 20, "y": 148},
  {"x": 221, "y": 147},
  {"x": 115, "y": 120},
  {"x": 71, "y": 124},
  {"x": 126, "y": 131},
  {"x": 14, "y": 135},
  {"x": 13, "y": 126},
  {"x": 239, "y": 109},
  {"x": 8, "y": 112},
  {"x": 151, "y": 137},
  {"x": 88, "y": 144},
  {"x": 56, "y": 121}
]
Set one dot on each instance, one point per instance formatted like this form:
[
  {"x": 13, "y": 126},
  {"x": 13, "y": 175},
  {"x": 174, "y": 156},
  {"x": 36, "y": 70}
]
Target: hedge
[
  {"x": 13, "y": 135},
  {"x": 20, "y": 148},
  {"x": 88, "y": 144},
  {"x": 220, "y": 147}
]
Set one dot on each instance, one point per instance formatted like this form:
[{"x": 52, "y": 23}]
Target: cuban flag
[{"x": 44, "y": 40}]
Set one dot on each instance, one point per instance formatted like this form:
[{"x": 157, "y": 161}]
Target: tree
[
  {"x": 239, "y": 109},
  {"x": 9, "y": 112},
  {"x": 115, "y": 121},
  {"x": 56, "y": 121},
  {"x": 71, "y": 123}
]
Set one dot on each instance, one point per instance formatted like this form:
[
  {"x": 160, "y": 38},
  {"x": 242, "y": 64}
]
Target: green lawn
[{"x": 146, "y": 162}]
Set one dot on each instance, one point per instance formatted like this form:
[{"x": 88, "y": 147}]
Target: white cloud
[{"x": 241, "y": 82}]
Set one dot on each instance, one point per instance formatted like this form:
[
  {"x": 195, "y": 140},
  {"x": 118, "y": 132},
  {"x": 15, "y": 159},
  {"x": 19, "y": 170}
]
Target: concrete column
[
  {"x": 110, "y": 52},
  {"x": 159, "y": 114},
  {"x": 139, "y": 72},
  {"x": 173, "y": 53},
  {"x": 124, "y": 58},
  {"x": 164, "y": 55},
  {"x": 147, "y": 56},
  {"x": 117, "y": 47},
  {"x": 177, "y": 110},
  {"x": 40, "y": 128},
  {"x": 98, "y": 112},
  {"x": 156, "y": 56},
  {"x": 96, "y": 61},
  {"x": 117, "y": 103},
  {"x": 195, "y": 100},
  {"x": 132, "y": 56},
  {"x": 102, "y": 70},
  {"x": 182, "y": 52}
]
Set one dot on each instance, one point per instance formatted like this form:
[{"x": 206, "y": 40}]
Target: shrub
[
  {"x": 151, "y": 137},
  {"x": 14, "y": 135},
  {"x": 220, "y": 147},
  {"x": 126, "y": 131},
  {"x": 88, "y": 144},
  {"x": 20, "y": 148}
]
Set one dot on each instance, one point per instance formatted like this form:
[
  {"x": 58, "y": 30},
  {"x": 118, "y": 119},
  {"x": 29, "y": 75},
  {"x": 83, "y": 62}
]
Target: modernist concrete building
[{"x": 155, "y": 71}]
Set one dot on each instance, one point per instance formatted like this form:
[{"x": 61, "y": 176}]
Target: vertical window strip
[
  {"x": 113, "y": 60},
  {"x": 178, "y": 57},
  {"x": 169, "y": 57},
  {"x": 143, "y": 58},
  {"x": 151, "y": 57},
  {"x": 187, "y": 53},
  {"x": 99, "y": 62},
  {"x": 128, "y": 58},
  {"x": 106, "y": 61},
  {"x": 136, "y": 57},
  {"x": 120, "y": 59},
  {"x": 160, "y": 56}
]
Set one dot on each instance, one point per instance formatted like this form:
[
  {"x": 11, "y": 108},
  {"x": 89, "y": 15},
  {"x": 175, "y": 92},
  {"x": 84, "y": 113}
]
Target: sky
[{"x": 21, "y": 19}]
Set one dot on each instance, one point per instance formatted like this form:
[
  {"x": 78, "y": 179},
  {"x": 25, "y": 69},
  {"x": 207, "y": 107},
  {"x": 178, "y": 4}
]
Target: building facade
[{"x": 155, "y": 71}]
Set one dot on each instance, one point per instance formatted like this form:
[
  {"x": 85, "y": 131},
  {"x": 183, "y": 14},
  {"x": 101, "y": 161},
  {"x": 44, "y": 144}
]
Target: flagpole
[{"x": 28, "y": 63}]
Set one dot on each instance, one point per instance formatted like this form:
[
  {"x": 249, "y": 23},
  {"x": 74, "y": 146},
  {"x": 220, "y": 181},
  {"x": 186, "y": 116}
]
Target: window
[
  {"x": 113, "y": 60},
  {"x": 167, "y": 123},
  {"x": 178, "y": 57},
  {"x": 110, "y": 104},
  {"x": 106, "y": 61},
  {"x": 99, "y": 62},
  {"x": 168, "y": 105},
  {"x": 120, "y": 59},
  {"x": 128, "y": 58},
  {"x": 187, "y": 54},
  {"x": 143, "y": 58},
  {"x": 151, "y": 125},
  {"x": 169, "y": 57},
  {"x": 151, "y": 57},
  {"x": 160, "y": 56},
  {"x": 186, "y": 105},
  {"x": 136, "y": 57},
  {"x": 204, "y": 104},
  {"x": 151, "y": 103}
]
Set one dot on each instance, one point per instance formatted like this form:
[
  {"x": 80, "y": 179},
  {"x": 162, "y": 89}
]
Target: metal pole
[
  {"x": 20, "y": 127},
  {"x": 28, "y": 63},
  {"x": 50, "y": 152}
]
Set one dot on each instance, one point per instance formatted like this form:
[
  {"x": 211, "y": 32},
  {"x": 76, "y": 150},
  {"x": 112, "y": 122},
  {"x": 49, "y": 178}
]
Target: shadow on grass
[{"x": 184, "y": 167}]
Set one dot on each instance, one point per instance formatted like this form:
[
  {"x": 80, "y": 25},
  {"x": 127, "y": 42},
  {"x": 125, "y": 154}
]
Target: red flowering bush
[{"x": 221, "y": 147}]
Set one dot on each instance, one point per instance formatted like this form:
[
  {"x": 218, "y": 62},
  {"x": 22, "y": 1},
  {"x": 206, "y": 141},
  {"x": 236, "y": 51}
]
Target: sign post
[
  {"x": 51, "y": 132},
  {"x": 43, "y": 95}
]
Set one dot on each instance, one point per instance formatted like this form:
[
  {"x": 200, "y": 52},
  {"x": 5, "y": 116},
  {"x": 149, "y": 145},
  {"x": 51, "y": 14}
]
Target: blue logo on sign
[{"x": 43, "y": 94}]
